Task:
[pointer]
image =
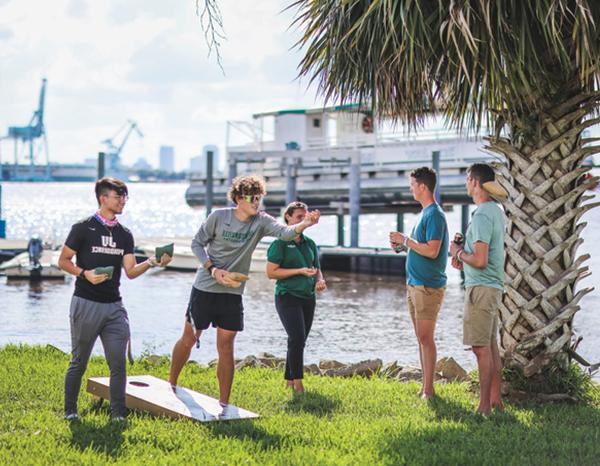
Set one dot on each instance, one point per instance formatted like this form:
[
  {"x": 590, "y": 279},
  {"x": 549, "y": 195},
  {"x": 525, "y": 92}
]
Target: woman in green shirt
[{"x": 295, "y": 266}]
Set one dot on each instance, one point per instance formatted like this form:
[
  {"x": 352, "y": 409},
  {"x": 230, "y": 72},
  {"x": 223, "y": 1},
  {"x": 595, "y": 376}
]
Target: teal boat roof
[{"x": 302, "y": 111}]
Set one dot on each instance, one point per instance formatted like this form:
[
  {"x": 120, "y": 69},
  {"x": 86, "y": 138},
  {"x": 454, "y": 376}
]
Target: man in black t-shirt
[{"x": 96, "y": 306}]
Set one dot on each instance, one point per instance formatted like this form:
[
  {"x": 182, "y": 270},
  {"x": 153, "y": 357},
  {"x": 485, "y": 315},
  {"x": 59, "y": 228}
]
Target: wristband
[
  {"x": 211, "y": 270},
  {"x": 151, "y": 263},
  {"x": 82, "y": 274},
  {"x": 458, "y": 255},
  {"x": 405, "y": 242}
]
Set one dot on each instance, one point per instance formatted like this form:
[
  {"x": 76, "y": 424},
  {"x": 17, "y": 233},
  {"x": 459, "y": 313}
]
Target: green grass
[{"x": 341, "y": 421}]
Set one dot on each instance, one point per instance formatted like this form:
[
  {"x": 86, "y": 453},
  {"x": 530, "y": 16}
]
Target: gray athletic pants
[{"x": 90, "y": 319}]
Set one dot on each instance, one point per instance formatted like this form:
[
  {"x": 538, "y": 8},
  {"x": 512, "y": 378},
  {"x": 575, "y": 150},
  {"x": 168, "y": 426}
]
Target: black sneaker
[{"x": 119, "y": 416}]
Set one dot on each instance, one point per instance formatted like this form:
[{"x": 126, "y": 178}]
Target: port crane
[
  {"x": 29, "y": 136},
  {"x": 113, "y": 150}
]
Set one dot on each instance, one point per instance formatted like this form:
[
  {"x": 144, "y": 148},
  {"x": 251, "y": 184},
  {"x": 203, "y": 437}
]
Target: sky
[{"x": 146, "y": 60}]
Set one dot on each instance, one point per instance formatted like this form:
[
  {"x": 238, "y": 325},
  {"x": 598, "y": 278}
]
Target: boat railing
[{"x": 358, "y": 140}]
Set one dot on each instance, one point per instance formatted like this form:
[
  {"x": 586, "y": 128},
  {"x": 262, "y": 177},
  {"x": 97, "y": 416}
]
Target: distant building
[
  {"x": 167, "y": 159},
  {"x": 142, "y": 164},
  {"x": 198, "y": 164}
]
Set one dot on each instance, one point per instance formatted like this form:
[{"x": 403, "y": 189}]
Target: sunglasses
[
  {"x": 122, "y": 197},
  {"x": 251, "y": 199}
]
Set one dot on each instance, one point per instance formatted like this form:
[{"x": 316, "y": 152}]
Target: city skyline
[{"x": 107, "y": 62}]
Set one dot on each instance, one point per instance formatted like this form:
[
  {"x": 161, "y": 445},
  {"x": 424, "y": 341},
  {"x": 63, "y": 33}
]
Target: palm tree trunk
[{"x": 547, "y": 199}]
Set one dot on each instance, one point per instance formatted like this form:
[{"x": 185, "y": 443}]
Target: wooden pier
[{"x": 340, "y": 183}]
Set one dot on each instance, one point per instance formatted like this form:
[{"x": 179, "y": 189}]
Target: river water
[{"x": 359, "y": 317}]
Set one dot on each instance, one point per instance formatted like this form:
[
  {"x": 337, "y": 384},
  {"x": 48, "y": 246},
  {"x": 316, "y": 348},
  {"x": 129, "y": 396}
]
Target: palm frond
[{"x": 470, "y": 58}]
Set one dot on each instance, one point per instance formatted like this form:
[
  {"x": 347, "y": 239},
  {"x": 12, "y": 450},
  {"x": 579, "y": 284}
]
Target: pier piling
[
  {"x": 464, "y": 218},
  {"x": 400, "y": 221},
  {"x": 354, "y": 199},
  {"x": 101, "y": 165},
  {"x": 435, "y": 162},
  {"x": 209, "y": 181},
  {"x": 2, "y": 222},
  {"x": 291, "y": 177}
]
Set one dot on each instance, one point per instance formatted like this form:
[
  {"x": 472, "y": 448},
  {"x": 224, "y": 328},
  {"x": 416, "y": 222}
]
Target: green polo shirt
[{"x": 292, "y": 255}]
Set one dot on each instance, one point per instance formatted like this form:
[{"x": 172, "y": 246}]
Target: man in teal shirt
[
  {"x": 482, "y": 259},
  {"x": 425, "y": 269}
]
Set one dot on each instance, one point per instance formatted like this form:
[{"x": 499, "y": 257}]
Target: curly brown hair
[{"x": 246, "y": 185}]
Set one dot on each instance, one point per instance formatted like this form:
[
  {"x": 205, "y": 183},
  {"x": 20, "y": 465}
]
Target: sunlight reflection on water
[{"x": 359, "y": 317}]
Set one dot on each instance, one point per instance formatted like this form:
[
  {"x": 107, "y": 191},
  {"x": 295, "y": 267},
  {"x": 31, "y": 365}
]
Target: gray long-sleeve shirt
[{"x": 229, "y": 244}]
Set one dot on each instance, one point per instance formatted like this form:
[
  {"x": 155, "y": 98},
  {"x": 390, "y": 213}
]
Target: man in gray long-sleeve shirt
[{"x": 224, "y": 244}]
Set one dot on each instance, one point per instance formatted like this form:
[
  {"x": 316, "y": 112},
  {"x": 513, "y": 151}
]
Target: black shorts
[{"x": 223, "y": 310}]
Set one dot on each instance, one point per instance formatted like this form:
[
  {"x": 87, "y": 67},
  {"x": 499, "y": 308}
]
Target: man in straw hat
[
  {"x": 482, "y": 259},
  {"x": 224, "y": 245}
]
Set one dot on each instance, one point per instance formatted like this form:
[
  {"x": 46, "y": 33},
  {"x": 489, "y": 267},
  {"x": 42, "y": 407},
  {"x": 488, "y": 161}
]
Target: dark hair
[
  {"x": 426, "y": 176},
  {"x": 246, "y": 185},
  {"x": 106, "y": 184},
  {"x": 482, "y": 172},
  {"x": 292, "y": 207}
]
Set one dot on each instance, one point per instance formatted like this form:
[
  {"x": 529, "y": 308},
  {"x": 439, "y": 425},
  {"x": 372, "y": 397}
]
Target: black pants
[{"x": 296, "y": 315}]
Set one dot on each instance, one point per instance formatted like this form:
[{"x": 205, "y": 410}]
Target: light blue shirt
[{"x": 487, "y": 226}]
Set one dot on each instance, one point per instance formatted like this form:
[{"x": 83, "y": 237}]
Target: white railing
[{"x": 360, "y": 140}]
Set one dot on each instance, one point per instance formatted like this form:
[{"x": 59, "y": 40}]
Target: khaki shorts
[
  {"x": 480, "y": 320},
  {"x": 424, "y": 303}
]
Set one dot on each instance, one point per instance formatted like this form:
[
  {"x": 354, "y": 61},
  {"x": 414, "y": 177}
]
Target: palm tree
[{"x": 529, "y": 71}]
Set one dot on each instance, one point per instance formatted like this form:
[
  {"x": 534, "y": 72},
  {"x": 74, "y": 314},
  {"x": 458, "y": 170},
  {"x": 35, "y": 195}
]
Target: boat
[
  {"x": 10, "y": 248},
  {"x": 315, "y": 155},
  {"x": 184, "y": 260},
  {"x": 21, "y": 268}
]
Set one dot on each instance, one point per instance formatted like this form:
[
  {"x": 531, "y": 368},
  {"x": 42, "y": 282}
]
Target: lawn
[{"x": 339, "y": 421}]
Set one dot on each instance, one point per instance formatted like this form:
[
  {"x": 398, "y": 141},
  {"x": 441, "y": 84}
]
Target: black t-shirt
[{"x": 99, "y": 246}]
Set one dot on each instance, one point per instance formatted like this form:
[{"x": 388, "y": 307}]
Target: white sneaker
[
  {"x": 229, "y": 412},
  {"x": 71, "y": 416}
]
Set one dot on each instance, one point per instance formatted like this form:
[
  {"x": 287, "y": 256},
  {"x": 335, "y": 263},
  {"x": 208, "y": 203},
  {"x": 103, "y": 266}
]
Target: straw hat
[{"x": 494, "y": 188}]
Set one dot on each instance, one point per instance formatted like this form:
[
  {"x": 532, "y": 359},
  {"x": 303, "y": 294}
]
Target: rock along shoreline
[{"x": 446, "y": 369}]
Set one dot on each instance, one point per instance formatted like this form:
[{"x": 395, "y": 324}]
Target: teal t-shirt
[
  {"x": 487, "y": 226},
  {"x": 292, "y": 255},
  {"x": 420, "y": 270}
]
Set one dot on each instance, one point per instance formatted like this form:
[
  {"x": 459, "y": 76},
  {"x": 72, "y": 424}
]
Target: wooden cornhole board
[{"x": 149, "y": 393}]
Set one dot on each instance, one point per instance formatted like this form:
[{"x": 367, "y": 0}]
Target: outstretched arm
[
  {"x": 134, "y": 270},
  {"x": 272, "y": 227}
]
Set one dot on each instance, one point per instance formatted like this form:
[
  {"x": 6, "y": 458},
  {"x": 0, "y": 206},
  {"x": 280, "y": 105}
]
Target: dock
[
  {"x": 333, "y": 258},
  {"x": 378, "y": 261},
  {"x": 9, "y": 248}
]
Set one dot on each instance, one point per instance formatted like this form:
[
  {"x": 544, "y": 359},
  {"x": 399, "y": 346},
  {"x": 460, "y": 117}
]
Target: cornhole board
[{"x": 149, "y": 393}]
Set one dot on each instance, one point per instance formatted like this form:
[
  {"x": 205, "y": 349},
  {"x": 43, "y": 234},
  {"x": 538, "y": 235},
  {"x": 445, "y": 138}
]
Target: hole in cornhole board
[{"x": 139, "y": 384}]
